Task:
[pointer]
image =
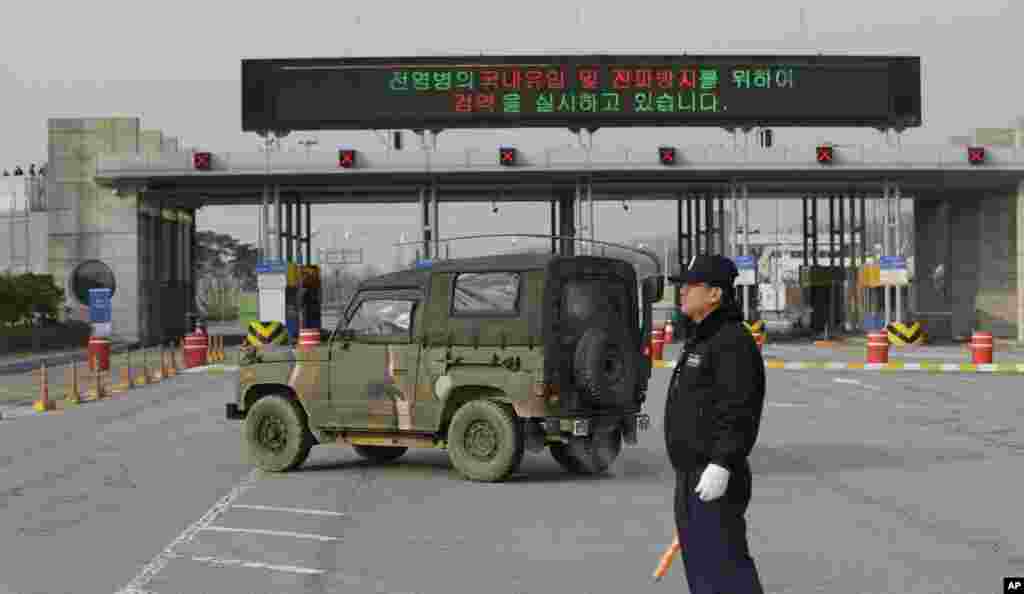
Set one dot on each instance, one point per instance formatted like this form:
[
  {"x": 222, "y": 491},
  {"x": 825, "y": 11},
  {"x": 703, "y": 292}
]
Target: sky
[{"x": 176, "y": 65}]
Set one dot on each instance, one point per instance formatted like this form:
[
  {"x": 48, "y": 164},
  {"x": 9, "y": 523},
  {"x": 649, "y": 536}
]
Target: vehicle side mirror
[{"x": 653, "y": 288}]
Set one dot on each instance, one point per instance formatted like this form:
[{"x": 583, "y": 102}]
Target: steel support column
[
  {"x": 289, "y": 232},
  {"x": 746, "y": 247},
  {"x": 887, "y": 210},
  {"x": 309, "y": 233},
  {"x": 898, "y": 251},
  {"x": 435, "y": 227},
  {"x": 554, "y": 225},
  {"x": 425, "y": 223},
  {"x": 567, "y": 228}
]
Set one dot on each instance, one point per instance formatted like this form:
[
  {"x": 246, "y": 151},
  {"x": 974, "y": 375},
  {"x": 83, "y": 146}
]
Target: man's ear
[{"x": 716, "y": 295}]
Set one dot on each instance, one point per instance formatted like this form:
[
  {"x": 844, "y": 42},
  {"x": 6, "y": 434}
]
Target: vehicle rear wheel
[
  {"x": 380, "y": 453},
  {"x": 485, "y": 441},
  {"x": 560, "y": 452},
  {"x": 596, "y": 453},
  {"x": 277, "y": 434}
]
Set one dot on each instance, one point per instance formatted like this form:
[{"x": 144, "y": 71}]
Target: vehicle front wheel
[
  {"x": 380, "y": 453},
  {"x": 485, "y": 441},
  {"x": 277, "y": 434}
]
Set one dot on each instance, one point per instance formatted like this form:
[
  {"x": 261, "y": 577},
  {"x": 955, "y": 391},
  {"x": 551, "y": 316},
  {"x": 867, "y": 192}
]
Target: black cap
[{"x": 714, "y": 270}]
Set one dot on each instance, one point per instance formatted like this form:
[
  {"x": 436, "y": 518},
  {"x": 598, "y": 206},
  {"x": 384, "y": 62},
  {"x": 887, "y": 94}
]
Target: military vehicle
[{"x": 484, "y": 357}]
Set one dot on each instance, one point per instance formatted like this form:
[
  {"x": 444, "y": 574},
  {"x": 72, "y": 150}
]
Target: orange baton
[{"x": 666, "y": 559}]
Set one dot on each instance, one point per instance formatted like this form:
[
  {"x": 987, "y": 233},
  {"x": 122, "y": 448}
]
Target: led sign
[{"x": 580, "y": 91}]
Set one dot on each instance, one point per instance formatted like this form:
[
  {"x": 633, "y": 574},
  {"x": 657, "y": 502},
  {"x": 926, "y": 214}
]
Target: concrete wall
[
  {"x": 89, "y": 222},
  {"x": 977, "y": 241}
]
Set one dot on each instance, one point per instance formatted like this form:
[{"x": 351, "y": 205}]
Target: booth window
[{"x": 91, "y": 274}]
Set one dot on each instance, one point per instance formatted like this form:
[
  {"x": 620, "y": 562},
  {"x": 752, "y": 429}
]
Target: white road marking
[
  {"x": 218, "y": 562},
  {"x": 296, "y": 510},
  {"x": 843, "y": 380},
  {"x": 160, "y": 561},
  {"x": 786, "y": 404},
  {"x": 270, "y": 533}
]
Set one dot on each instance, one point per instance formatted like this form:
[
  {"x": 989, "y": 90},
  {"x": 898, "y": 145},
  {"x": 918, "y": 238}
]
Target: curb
[{"x": 930, "y": 366}]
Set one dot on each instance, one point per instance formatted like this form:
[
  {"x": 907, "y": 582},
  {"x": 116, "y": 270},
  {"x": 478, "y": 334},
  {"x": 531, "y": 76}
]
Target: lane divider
[{"x": 927, "y": 366}]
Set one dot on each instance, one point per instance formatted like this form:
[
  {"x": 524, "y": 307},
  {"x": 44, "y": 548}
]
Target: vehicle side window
[
  {"x": 382, "y": 317},
  {"x": 486, "y": 293}
]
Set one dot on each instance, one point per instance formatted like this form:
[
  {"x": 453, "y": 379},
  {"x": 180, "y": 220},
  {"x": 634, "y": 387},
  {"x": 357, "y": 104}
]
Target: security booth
[
  {"x": 272, "y": 285},
  {"x": 821, "y": 286},
  {"x": 302, "y": 298}
]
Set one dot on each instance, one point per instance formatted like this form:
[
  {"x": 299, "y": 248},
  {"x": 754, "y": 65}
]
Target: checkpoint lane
[
  {"x": 89, "y": 494},
  {"x": 849, "y": 494}
]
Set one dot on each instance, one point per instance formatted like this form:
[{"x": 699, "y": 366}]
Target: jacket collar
[{"x": 710, "y": 325}]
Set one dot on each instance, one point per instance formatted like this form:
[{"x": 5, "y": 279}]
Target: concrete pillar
[{"x": 86, "y": 221}]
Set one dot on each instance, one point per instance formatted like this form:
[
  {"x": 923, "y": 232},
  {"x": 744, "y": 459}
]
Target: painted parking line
[
  {"x": 219, "y": 562},
  {"x": 302, "y": 535},
  {"x": 294, "y": 510},
  {"x": 151, "y": 569}
]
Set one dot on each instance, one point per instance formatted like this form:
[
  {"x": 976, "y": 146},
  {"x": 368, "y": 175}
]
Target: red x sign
[
  {"x": 507, "y": 156},
  {"x": 667, "y": 155},
  {"x": 201, "y": 161},
  {"x": 975, "y": 154},
  {"x": 824, "y": 154},
  {"x": 346, "y": 158}
]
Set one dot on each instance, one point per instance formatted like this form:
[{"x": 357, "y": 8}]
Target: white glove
[{"x": 713, "y": 482}]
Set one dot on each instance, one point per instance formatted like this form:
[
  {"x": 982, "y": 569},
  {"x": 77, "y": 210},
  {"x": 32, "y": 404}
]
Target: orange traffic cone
[
  {"x": 43, "y": 404},
  {"x": 74, "y": 395},
  {"x": 99, "y": 383},
  {"x": 666, "y": 559}
]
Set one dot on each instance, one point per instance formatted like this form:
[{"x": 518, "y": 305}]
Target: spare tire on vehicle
[{"x": 605, "y": 367}]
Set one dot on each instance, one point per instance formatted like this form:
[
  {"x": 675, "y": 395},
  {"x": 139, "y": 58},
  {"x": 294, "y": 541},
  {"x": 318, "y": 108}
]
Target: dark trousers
[{"x": 713, "y": 535}]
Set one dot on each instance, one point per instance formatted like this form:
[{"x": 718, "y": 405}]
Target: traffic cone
[
  {"x": 99, "y": 383},
  {"x": 129, "y": 379},
  {"x": 74, "y": 395},
  {"x": 44, "y": 403}
]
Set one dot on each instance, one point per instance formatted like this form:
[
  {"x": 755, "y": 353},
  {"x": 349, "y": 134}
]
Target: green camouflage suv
[{"x": 484, "y": 357}]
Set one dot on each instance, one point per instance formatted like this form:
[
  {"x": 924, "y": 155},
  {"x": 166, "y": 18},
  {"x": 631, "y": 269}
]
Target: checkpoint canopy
[{"x": 580, "y": 91}]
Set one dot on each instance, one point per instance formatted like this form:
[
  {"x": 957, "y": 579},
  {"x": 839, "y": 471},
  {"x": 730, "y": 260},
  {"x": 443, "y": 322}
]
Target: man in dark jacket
[{"x": 712, "y": 417}]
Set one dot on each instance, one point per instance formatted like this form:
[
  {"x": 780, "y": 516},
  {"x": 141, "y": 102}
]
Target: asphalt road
[{"x": 863, "y": 483}]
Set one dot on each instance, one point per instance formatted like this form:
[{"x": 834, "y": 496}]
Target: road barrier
[
  {"x": 756, "y": 329},
  {"x": 878, "y": 347},
  {"x": 54, "y": 387},
  {"x": 264, "y": 333},
  {"x": 902, "y": 334},
  {"x": 981, "y": 347}
]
